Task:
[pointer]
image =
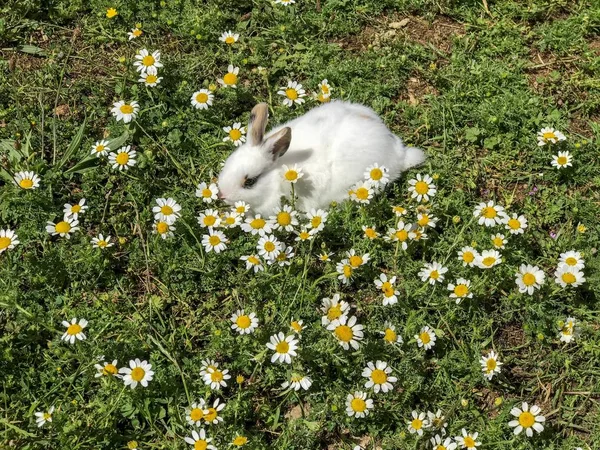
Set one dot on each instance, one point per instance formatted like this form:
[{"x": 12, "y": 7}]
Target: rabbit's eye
[{"x": 249, "y": 182}]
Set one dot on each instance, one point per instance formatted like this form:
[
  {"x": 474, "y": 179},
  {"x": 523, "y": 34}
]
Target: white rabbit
[{"x": 333, "y": 144}]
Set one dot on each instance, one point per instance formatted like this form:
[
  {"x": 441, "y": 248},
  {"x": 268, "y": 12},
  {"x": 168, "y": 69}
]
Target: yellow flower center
[
  {"x": 526, "y": 419},
  {"x": 229, "y": 220},
  {"x": 258, "y": 224},
  {"x": 137, "y": 374},
  {"x": 514, "y": 224},
  {"x": 390, "y": 335},
  {"x": 304, "y": 235},
  {"x": 489, "y": 212},
  {"x": 126, "y": 109},
  {"x": 214, "y": 240},
  {"x": 282, "y": 347},
  {"x": 100, "y": 148},
  {"x": 151, "y": 79},
  {"x": 4, "y": 242},
  {"x": 549, "y": 135},
  {"x": 347, "y": 270},
  {"x": 399, "y": 209},
  {"x": 74, "y": 329},
  {"x": 358, "y": 405},
  {"x": 137, "y": 32},
  {"x": 440, "y": 447},
  {"x": 568, "y": 278},
  {"x": 498, "y": 242},
  {"x": 491, "y": 364},
  {"x": 230, "y": 79},
  {"x": 62, "y": 227},
  {"x": 571, "y": 261},
  {"x": 421, "y": 187},
  {"x": 489, "y": 261},
  {"x": 334, "y": 312},
  {"x": 378, "y": 376},
  {"x": 468, "y": 257},
  {"x": 434, "y": 275},
  {"x": 243, "y": 322},
  {"x": 196, "y": 414},
  {"x": 166, "y": 210},
  {"x": 417, "y": 424},
  {"x": 562, "y": 160},
  {"x": 209, "y": 221},
  {"x": 210, "y": 415},
  {"x": 235, "y": 134},
  {"x": 316, "y": 221},
  {"x": 291, "y": 175},
  {"x": 370, "y": 233},
  {"x": 202, "y": 97},
  {"x": 47, "y": 416},
  {"x": 284, "y": 218},
  {"x": 216, "y": 376},
  {"x": 111, "y": 12},
  {"x": 200, "y": 444},
  {"x": 240, "y": 440},
  {"x": 469, "y": 442},
  {"x": 162, "y": 227},
  {"x": 376, "y": 174},
  {"x": 292, "y": 94},
  {"x": 461, "y": 290},
  {"x": 269, "y": 246},
  {"x": 356, "y": 261},
  {"x": 253, "y": 260},
  {"x": 344, "y": 333},
  {"x": 296, "y": 326},
  {"x": 148, "y": 60},
  {"x": 324, "y": 89},
  {"x": 122, "y": 158},
  {"x": 423, "y": 221},
  {"x": 26, "y": 183},
  {"x": 206, "y": 193},
  {"x": 322, "y": 97},
  {"x": 388, "y": 289},
  {"x": 109, "y": 369},
  {"x": 529, "y": 279},
  {"x": 362, "y": 193},
  {"x": 425, "y": 338},
  {"x": 401, "y": 235},
  {"x": 229, "y": 40}
]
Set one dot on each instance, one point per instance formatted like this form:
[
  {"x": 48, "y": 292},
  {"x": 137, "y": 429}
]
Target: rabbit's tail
[{"x": 409, "y": 156}]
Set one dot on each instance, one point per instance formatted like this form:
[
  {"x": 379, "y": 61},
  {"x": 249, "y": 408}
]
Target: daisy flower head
[
  {"x": 377, "y": 175},
  {"x": 362, "y": 192},
  {"x": 425, "y": 219},
  {"x": 216, "y": 378},
  {"x": 239, "y": 441},
  {"x": 230, "y": 79},
  {"x": 422, "y": 188},
  {"x": 229, "y": 38},
  {"x": 488, "y": 259},
  {"x": 529, "y": 278},
  {"x": 102, "y": 242},
  {"x": 390, "y": 294},
  {"x": 125, "y": 111},
  {"x": 211, "y": 414},
  {"x": 467, "y": 440},
  {"x": 572, "y": 259},
  {"x": 244, "y": 323},
  {"x": 107, "y": 369},
  {"x": 325, "y": 87},
  {"x": 163, "y": 229},
  {"x": 297, "y": 326},
  {"x": 111, "y": 12},
  {"x": 293, "y": 93},
  {"x": 241, "y": 208},
  {"x": 8, "y": 240},
  {"x": 347, "y": 331},
  {"x": 138, "y": 372},
  {"x": 195, "y": 413},
  {"x": 316, "y": 219},
  {"x": 100, "y": 148},
  {"x": 284, "y": 258},
  {"x": 292, "y": 174},
  {"x": 305, "y": 235},
  {"x": 438, "y": 444},
  {"x": 200, "y": 441},
  {"x": 149, "y": 79},
  {"x": 285, "y": 219},
  {"x": 418, "y": 423},
  {"x": 460, "y": 290},
  {"x": 345, "y": 270},
  {"x": 147, "y": 62},
  {"x": 562, "y": 160},
  {"x": 209, "y": 218},
  {"x": 489, "y": 214},
  {"x": 333, "y": 308},
  {"x": 468, "y": 256},
  {"x": 202, "y": 99},
  {"x": 549, "y": 135},
  {"x": 253, "y": 262},
  {"x": 568, "y": 330},
  {"x": 358, "y": 405},
  {"x": 426, "y": 337},
  {"x": 257, "y": 225},
  {"x": 206, "y": 365},
  {"x": 566, "y": 275},
  {"x": 123, "y": 159},
  {"x": 64, "y": 228},
  {"x": 207, "y": 192},
  {"x": 229, "y": 219},
  {"x": 433, "y": 273},
  {"x": 490, "y": 365},
  {"x": 437, "y": 421},
  {"x": 284, "y": 347},
  {"x": 297, "y": 382},
  {"x": 214, "y": 241},
  {"x": 235, "y": 133},
  {"x": 269, "y": 247},
  {"x": 41, "y": 417},
  {"x": 74, "y": 330},
  {"x": 400, "y": 234},
  {"x": 357, "y": 260},
  {"x": 134, "y": 33},
  {"x": 399, "y": 211},
  {"x": 390, "y": 336},
  {"x": 27, "y": 180},
  {"x": 528, "y": 419},
  {"x": 167, "y": 210},
  {"x": 325, "y": 256},
  {"x": 378, "y": 377},
  {"x": 515, "y": 224},
  {"x": 370, "y": 232}
]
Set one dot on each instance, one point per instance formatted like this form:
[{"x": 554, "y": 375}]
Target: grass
[{"x": 470, "y": 82}]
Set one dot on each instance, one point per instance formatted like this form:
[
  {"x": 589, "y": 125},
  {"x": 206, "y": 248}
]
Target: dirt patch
[
  {"x": 511, "y": 335},
  {"x": 486, "y": 400}
]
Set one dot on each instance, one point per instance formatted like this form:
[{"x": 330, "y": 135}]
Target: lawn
[{"x": 472, "y": 83}]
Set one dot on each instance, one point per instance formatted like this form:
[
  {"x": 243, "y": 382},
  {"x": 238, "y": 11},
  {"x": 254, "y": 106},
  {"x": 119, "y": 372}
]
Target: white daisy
[
  {"x": 418, "y": 423},
  {"x": 229, "y": 219},
  {"x": 529, "y": 278},
  {"x": 562, "y": 160},
  {"x": 125, "y": 111},
  {"x": 297, "y": 382},
  {"x": 433, "y": 273},
  {"x": 202, "y": 99},
  {"x": 8, "y": 240},
  {"x": 422, "y": 187},
  {"x": 208, "y": 193},
  {"x": 244, "y": 323},
  {"x": 425, "y": 219},
  {"x": 499, "y": 241},
  {"x": 162, "y": 228},
  {"x": 147, "y": 62},
  {"x": 42, "y": 417},
  {"x": 572, "y": 259},
  {"x": 568, "y": 330},
  {"x": 27, "y": 180},
  {"x": 253, "y": 262},
  {"x": 216, "y": 378},
  {"x": 515, "y": 224},
  {"x": 209, "y": 218},
  {"x": 304, "y": 234},
  {"x": 284, "y": 347},
  {"x": 399, "y": 211},
  {"x": 347, "y": 331},
  {"x": 123, "y": 159},
  {"x": 64, "y": 228},
  {"x": 370, "y": 232},
  {"x": 438, "y": 444},
  {"x": 378, "y": 377},
  {"x": 284, "y": 258},
  {"x": 134, "y": 33},
  {"x": 566, "y": 275},
  {"x": 235, "y": 133},
  {"x": 200, "y": 441},
  {"x": 214, "y": 241},
  {"x": 377, "y": 175},
  {"x": 490, "y": 365},
  {"x": 269, "y": 247},
  {"x": 488, "y": 259},
  {"x": 325, "y": 88},
  {"x": 362, "y": 192},
  {"x": 316, "y": 219},
  {"x": 489, "y": 214},
  {"x": 102, "y": 242},
  {"x": 549, "y": 135},
  {"x": 345, "y": 271},
  {"x": 211, "y": 414},
  {"x": 195, "y": 413},
  {"x": 438, "y": 422},
  {"x": 426, "y": 338},
  {"x": 149, "y": 79},
  {"x": 231, "y": 77},
  {"x": 468, "y": 256},
  {"x": 387, "y": 287},
  {"x": 257, "y": 225},
  {"x": 390, "y": 335},
  {"x": 528, "y": 419},
  {"x": 358, "y": 405},
  {"x": 107, "y": 369},
  {"x": 100, "y": 148},
  {"x": 333, "y": 308},
  {"x": 292, "y": 174},
  {"x": 167, "y": 210},
  {"x": 137, "y": 372},
  {"x": 357, "y": 260},
  {"x": 229, "y": 38},
  {"x": 400, "y": 234},
  {"x": 467, "y": 440},
  {"x": 74, "y": 330},
  {"x": 241, "y": 208},
  {"x": 285, "y": 219},
  {"x": 293, "y": 93},
  {"x": 460, "y": 290},
  {"x": 297, "y": 326}
]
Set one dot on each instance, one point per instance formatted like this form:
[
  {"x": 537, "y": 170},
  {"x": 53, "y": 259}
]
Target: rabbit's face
[{"x": 248, "y": 173}]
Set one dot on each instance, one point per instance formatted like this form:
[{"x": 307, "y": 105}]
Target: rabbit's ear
[
  {"x": 278, "y": 143},
  {"x": 258, "y": 123}
]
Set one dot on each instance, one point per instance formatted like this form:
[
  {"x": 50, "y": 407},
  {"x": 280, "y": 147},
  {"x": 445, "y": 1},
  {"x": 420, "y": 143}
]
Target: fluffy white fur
[{"x": 333, "y": 144}]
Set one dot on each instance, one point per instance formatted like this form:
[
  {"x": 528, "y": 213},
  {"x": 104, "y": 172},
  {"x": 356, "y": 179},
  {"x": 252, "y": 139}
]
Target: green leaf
[
  {"x": 73, "y": 146},
  {"x": 116, "y": 143},
  {"x": 90, "y": 162},
  {"x": 32, "y": 50},
  {"x": 472, "y": 134}
]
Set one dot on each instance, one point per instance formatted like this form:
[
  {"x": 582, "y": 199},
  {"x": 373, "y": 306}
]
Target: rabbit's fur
[{"x": 333, "y": 144}]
